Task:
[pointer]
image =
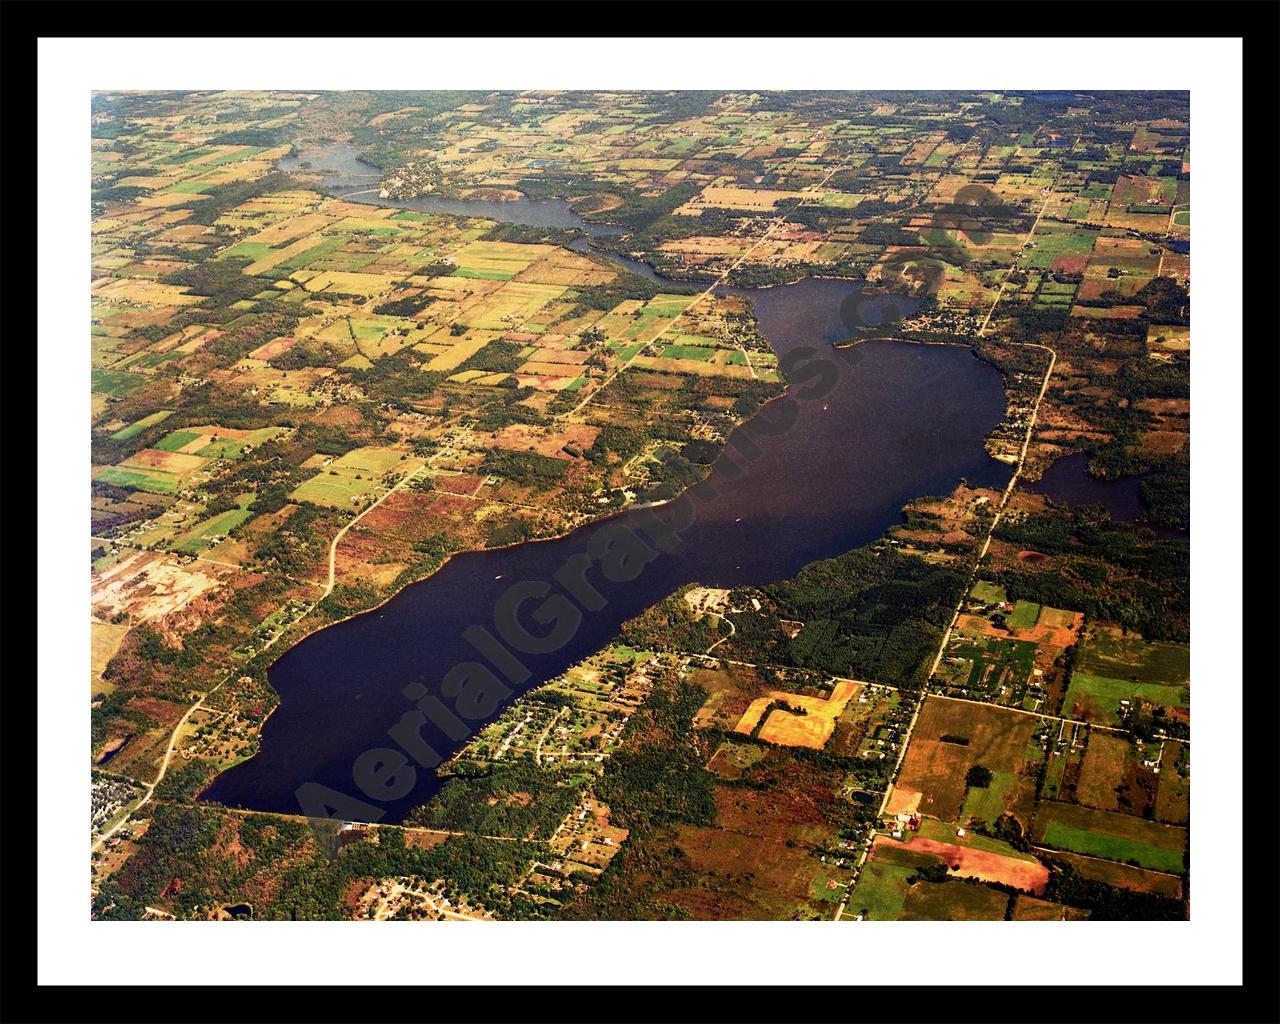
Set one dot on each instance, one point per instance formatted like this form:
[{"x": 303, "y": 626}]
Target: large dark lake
[{"x": 894, "y": 421}]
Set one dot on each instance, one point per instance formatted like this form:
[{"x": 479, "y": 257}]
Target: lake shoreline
[
  {"x": 591, "y": 521},
  {"x": 764, "y": 529},
  {"x": 851, "y": 466}
]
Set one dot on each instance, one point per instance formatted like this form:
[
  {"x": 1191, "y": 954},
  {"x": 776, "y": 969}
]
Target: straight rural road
[
  {"x": 774, "y": 224},
  {"x": 982, "y": 554}
]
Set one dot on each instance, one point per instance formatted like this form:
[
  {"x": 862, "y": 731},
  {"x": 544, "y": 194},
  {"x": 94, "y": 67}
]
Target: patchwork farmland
[{"x": 324, "y": 362}]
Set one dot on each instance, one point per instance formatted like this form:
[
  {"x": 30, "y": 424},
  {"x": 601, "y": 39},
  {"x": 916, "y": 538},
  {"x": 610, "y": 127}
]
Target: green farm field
[
  {"x": 1024, "y": 615},
  {"x": 152, "y": 480},
  {"x": 194, "y": 541},
  {"x": 1112, "y": 667},
  {"x": 1129, "y": 657},
  {"x": 137, "y": 427},
  {"x": 354, "y": 475},
  {"x": 176, "y": 441},
  {"x": 881, "y": 890},
  {"x": 115, "y": 382},
  {"x": 1098, "y": 697},
  {"x": 988, "y": 593},
  {"x": 989, "y": 803},
  {"x": 1119, "y": 837},
  {"x": 702, "y": 355}
]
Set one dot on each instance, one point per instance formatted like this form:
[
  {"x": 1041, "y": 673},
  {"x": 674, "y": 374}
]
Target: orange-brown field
[
  {"x": 273, "y": 348},
  {"x": 932, "y": 779},
  {"x": 1049, "y": 631},
  {"x": 547, "y": 441},
  {"x": 968, "y": 862},
  {"x": 786, "y": 728},
  {"x": 177, "y": 463}
]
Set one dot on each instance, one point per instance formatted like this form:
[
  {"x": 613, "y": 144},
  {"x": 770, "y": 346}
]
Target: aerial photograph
[{"x": 656, "y": 505}]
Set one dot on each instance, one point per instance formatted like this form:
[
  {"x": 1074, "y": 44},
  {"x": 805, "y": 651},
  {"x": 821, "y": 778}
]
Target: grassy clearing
[
  {"x": 1119, "y": 837},
  {"x": 1094, "y": 844},
  {"x": 667, "y": 305},
  {"x": 153, "y": 480},
  {"x": 1131, "y": 657},
  {"x": 176, "y": 441},
  {"x": 989, "y": 804},
  {"x": 988, "y": 593},
  {"x": 881, "y": 891},
  {"x": 347, "y": 480},
  {"x": 1098, "y": 697},
  {"x": 945, "y": 832},
  {"x": 1057, "y": 618},
  {"x": 207, "y": 533},
  {"x": 105, "y": 640},
  {"x": 702, "y": 355},
  {"x": 230, "y": 447},
  {"x": 115, "y": 382},
  {"x": 485, "y": 275},
  {"x": 137, "y": 427},
  {"x": 1024, "y": 615},
  {"x": 625, "y": 351}
]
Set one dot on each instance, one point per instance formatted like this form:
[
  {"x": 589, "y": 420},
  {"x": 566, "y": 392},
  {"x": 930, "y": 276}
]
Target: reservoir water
[{"x": 893, "y": 421}]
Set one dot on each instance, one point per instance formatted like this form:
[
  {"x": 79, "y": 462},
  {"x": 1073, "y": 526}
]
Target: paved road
[
  {"x": 333, "y": 545},
  {"x": 1052, "y": 718},
  {"x": 986, "y": 544},
  {"x": 774, "y": 224}
]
